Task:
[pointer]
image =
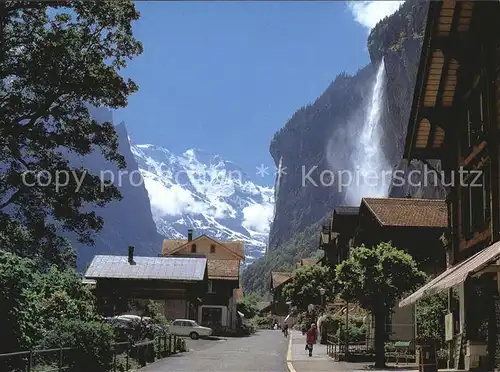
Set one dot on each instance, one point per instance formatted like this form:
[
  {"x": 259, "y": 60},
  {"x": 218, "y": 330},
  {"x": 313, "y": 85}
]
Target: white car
[{"x": 186, "y": 327}]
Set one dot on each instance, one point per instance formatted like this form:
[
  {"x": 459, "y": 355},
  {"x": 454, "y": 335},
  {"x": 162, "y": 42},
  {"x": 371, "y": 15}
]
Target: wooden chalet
[
  {"x": 121, "y": 279},
  {"x": 264, "y": 308},
  {"x": 336, "y": 238},
  {"x": 278, "y": 280},
  {"x": 218, "y": 304},
  {"x": 415, "y": 225},
  {"x": 455, "y": 118}
]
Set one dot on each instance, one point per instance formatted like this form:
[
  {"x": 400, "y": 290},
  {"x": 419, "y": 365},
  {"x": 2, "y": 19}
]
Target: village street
[{"x": 266, "y": 351}]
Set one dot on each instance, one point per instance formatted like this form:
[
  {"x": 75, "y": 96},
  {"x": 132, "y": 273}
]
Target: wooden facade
[
  {"x": 414, "y": 225},
  {"x": 336, "y": 238},
  {"x": 121, "y": 280},
  {"x": 114, "y": 295},
  {"x": 279, "y": 307},
  {"x": 455, "y": 118},
  {"x": 218, "y": 303}
]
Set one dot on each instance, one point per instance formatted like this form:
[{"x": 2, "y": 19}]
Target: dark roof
[
  {"x": 159, "y": 268},
  {"x": 223, "y": 269},
  {"x": 280, "y": 277},
  {"x": 307, "y": 262},
  {"x": 408, "y": 212},
  {"x": 346, "y": 210}
]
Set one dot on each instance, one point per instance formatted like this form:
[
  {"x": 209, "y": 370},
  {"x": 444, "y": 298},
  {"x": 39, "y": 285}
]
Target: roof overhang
[
  {"x": 437, "y": 75},
  {"x": 481, "y": 262}
]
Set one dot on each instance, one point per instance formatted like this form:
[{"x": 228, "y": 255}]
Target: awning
[{"x": 456, "y": 274}]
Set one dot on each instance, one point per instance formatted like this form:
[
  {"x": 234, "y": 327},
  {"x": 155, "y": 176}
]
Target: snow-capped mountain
[{"x": 204, "y": 192}]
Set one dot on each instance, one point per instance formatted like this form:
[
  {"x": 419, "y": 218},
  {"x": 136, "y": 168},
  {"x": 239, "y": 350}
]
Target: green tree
[
  {"x": 56, "y": 59},
  {"x": 59, "y": 295},
  {"x": 303, "y": 289},
  {"x": 17, "y": 323},
  {"x": 431, "y": 312},
  {"x": 376, "y": 278},
  {"x": 248, "y": 305}
]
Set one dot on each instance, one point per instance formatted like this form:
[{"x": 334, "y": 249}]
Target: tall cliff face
[
  {"x": 331, "y": 126},
  {"x": 305, "y": 146},
  {"x": 127, "y": 221}
]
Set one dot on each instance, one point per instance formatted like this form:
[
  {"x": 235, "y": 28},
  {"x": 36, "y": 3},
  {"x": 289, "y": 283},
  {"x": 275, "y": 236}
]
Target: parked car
[
  {"x": 186, "y": 327},
  {"x": 129, "y": 326}
]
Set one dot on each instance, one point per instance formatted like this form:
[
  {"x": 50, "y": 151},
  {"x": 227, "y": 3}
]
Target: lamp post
[
  {"x": 323, "y": 329},
  {"x": 322, "y": 293}
]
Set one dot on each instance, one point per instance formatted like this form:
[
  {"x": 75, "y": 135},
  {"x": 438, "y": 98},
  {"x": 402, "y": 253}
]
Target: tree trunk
[{"x": 380, "y": 317}]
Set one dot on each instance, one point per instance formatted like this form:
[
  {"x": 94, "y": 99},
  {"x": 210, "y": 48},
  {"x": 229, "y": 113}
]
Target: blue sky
[{"x": 225, "y": 76}]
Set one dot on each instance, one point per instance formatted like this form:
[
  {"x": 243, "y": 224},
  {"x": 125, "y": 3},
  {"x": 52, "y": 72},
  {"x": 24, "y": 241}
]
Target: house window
[
  {"x": 193, "y": 248},
  {"x": 211, "y": 287},
  {"x": 476, "y": 200},
  {"x": 212, "y": 248},
  {"x": 476, "y": 127}
]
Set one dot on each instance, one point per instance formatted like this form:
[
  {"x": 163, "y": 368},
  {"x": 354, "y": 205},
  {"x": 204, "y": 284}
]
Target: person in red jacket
[{"x": 312, "y": 336}]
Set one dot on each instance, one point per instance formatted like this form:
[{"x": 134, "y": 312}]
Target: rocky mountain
[
  {"x": 326, "y": 135},
  {"x": 207, "y": 193},
  {"x": 128, "y": 221}
]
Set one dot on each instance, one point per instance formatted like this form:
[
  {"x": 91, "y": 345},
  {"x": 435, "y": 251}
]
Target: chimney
[
  {"x": 131, "y": 254},
  {"x": 190, "y": 235}
]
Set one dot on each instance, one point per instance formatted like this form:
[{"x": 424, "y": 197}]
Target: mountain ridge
[{"x": 202, "y": 191}]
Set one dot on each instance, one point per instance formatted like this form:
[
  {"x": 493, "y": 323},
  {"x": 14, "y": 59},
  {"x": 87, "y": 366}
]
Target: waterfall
[
  {"x": 369, "y": 179},
  {"x": 276, "y": 191},
  {"x": 277, "y": 184}
]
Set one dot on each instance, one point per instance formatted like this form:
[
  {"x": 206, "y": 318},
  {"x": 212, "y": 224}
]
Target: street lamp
[
  {"x": 323, "y": 328},
  {"x": 322, "y": 293}
]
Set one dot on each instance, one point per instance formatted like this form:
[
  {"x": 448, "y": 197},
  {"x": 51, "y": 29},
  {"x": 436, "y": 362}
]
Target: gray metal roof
[{"x": 160, "y": 268}]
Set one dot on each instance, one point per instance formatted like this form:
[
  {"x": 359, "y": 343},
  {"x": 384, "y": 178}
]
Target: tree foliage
[
  {"x": 377, "y": 278},
  {"x": 17, "y": 324},
  {"x": 303, "y": 289},
  {"x": 49, "y": 310},
  {"x": 431, "y": 312},
  {"x": 248, "y": 305},
  {"x": 56, "y": 59}
]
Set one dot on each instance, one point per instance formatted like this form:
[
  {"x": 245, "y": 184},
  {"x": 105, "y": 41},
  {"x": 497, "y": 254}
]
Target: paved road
[
  {"x": 299, "y": 360},
  {"x": 263, "y": 352}
]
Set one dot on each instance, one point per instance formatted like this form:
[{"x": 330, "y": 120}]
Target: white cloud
[
  {"x": 173, "y": 201},
  {"x": 368, "y": 13},
  {"x": 257, "y": 217}
]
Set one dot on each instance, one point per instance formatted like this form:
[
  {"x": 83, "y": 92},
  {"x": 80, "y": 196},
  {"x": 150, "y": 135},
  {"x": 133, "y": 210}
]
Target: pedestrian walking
[
  {"x": 285, "y": 329},
  {"x": 312, "y": 336}
]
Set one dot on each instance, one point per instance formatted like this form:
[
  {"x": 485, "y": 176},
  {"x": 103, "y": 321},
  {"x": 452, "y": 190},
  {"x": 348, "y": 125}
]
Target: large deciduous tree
[
  {"x": 56, "y": 59},
  {"x": 377, "y": 278},
  {"x": 304, "y": 288}
]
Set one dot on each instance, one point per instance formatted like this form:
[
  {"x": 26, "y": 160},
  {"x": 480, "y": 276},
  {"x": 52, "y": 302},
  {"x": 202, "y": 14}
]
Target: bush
[
  {"x": 262, "y": 322},
  {"x": 336, "y": 326},
  {"x": 92, "y": 341}
]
